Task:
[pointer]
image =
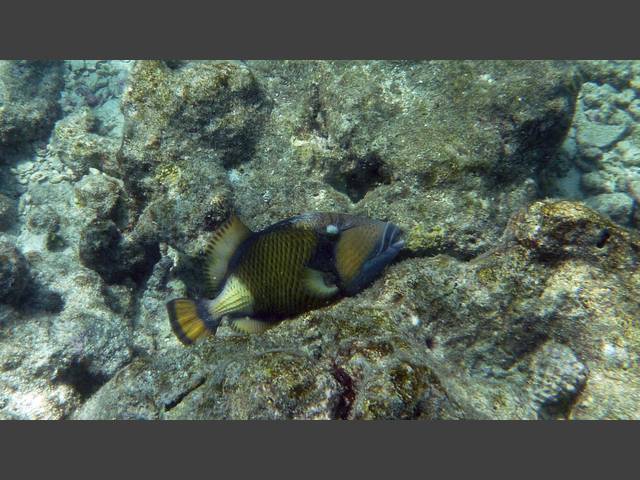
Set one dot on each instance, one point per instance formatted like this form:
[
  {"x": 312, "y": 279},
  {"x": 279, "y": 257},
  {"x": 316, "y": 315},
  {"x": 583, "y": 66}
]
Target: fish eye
[{"x": 332, "y": 229}]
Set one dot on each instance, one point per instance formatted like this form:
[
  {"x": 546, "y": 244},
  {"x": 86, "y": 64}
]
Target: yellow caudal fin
[
  {"x": 221, "y": 248},
  {"x": 186, "y": 319}
]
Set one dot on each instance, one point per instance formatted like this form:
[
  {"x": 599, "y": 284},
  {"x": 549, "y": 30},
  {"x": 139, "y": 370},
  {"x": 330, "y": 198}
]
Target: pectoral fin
[{"x": 316, "y": 285}]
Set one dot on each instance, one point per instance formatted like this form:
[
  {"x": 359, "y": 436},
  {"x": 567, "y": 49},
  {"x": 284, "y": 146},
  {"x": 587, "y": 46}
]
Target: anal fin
[{"x": 250, "y": 325}]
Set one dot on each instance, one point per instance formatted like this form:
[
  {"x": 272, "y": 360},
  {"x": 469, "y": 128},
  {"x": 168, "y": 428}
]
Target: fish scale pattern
[{"x": 273, "y": 271}]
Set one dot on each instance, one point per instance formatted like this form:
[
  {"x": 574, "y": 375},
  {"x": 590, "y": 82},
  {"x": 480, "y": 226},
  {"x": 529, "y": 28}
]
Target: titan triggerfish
[{"x": 296, "y": 265}]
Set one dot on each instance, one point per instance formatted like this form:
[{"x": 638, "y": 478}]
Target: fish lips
[{"x": 396, "y": 238}]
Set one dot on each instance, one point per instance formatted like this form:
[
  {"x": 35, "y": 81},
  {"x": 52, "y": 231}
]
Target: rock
[
  {"x": 558, "y": 379},
  {"x": 77, "y": 65},
  {"x": 634, "y": 109},
  {"x": 7, "y": 212},
  {"x": 516, "y": 333},
  {"x": 379, "y": 138},
  {"x": 570, "y": 229},
  {"x": 617, "y": 206},
  {"x": 183, "y": 125},
  {"x": 599, "y": 135},
  {"x": 629, "y": 153},
  {"x": 608, "y": 152},
  {"x": 101, "y": 194},
  {"x": 619, "y": 73},
  {"x": 29, "y": 93},
  {"x": 14, "y": 273},
  {"x": 79, "y": 147},
  {"x": 114, "y": 257},
  {"x": 99, "y": 246}
]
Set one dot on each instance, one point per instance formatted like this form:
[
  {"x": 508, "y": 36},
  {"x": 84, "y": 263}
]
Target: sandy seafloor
[{"x": 517, "y": 185}]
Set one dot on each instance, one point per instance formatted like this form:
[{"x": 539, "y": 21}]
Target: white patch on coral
[
  {"x": 30, "y": 404},
  {"x": 234, "y": 176},
  {"x": 487, "y": 78}
]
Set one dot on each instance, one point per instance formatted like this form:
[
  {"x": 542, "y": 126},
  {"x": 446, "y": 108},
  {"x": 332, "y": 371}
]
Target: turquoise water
[{"x": 516, "y": 186}]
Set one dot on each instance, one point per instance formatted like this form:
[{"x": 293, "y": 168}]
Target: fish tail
[{"x": 190, "y": 320}]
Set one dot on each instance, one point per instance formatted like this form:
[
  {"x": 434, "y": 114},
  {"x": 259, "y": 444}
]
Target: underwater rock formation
[
  {"x": 183, "y": 126},
  {"x": 443, "y": 149},
  {"x": 502, "y": 306},
  {"x": 602, "y": 151},
  {"x": 29, "y": 93},
  {"x": 14, "y": 273},
  {"x": 525, "y": 331}
]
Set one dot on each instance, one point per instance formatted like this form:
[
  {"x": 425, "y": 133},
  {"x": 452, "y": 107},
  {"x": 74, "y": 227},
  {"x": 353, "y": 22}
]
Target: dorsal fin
[{"x": 220, "y": 249}]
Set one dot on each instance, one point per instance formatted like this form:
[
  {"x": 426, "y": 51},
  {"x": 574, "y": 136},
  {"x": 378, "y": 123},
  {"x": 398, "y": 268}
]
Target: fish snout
[
  {"x": 392, "y": 238},
  {"x": 397, "y": 238}
]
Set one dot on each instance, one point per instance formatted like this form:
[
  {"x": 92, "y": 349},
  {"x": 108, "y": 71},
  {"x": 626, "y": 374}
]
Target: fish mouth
[
  {"x": 396, "y": 241},
  {"x": 398, "y": 245}
]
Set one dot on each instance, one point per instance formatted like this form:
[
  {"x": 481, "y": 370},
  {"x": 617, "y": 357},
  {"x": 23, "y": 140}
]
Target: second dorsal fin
[{"x": 221, "y": 248}]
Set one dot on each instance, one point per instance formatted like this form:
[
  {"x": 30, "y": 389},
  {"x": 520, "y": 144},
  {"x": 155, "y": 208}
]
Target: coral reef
[{"x": 504, "y": 304}]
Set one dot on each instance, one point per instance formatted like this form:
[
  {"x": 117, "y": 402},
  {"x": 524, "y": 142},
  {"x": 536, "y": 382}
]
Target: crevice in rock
[
  {"x": 176, "y": 401},
  {"x": 175, "y": 64},
  {"x": 604, "y": 237},
  {"x": 360, "y": 175},
  {"x": 105, "y": 250},
  {"x": 344, "y": 399},
  {"x": 560, "y": 409},
  {"x": 317, "y": 119},
  {"x": 80, "y": 377},
  {"x": 460, "y": 255},
  {"x": 40, "y": 298}
]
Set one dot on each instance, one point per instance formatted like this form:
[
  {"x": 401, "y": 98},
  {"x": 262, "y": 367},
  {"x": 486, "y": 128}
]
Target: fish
[{"x": 293, "y": 266}]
